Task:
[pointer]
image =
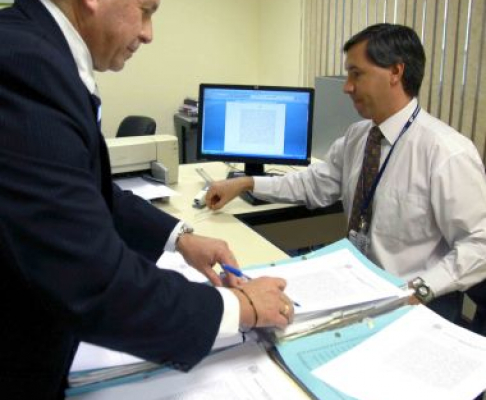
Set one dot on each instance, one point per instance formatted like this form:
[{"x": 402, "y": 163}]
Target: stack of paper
[
  {"x": 94, "y": 364},
  {"x": 331, "y": 289},
  {"x": 148, "y": 190},
  {"x": 241, "y": 373},
  {"x": 419, "y": 356}
]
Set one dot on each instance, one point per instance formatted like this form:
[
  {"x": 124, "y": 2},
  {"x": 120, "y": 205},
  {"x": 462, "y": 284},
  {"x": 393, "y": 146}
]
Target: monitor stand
[{"x": 251, "y": 169}]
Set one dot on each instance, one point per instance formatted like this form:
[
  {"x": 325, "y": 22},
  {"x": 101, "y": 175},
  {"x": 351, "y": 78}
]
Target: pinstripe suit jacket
[{"x": 76, "y": 254}]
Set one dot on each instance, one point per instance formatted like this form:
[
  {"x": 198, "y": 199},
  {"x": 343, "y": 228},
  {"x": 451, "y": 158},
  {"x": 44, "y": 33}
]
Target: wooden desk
[
  {"x": 248, "y": 246},
  {"x": 256, "y": 234}
]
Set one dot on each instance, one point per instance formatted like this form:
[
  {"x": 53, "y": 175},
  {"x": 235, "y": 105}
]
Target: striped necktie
[{"x": 369, "y": 171}]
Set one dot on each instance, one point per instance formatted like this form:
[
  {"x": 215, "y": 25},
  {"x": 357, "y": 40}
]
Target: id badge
[{"x": 360, "y": 240}]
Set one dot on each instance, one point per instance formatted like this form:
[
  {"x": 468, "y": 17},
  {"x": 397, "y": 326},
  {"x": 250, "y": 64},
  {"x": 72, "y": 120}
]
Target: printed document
[
  {"x": 242, "y": 373},
  {"x": 334, "y": 281},
  {"x": 144, "y": 189},
  {"x": 419, "y": 356}
]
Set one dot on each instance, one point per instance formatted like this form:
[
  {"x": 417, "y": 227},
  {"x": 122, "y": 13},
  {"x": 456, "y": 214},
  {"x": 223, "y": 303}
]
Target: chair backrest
[{"x": 136, "y": 125}]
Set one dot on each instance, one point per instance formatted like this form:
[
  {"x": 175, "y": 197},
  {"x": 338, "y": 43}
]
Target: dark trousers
[{"x": 448, "y": 306}]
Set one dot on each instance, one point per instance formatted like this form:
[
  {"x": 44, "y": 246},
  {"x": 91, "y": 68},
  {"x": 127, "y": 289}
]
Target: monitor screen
[{"x": 255, "y": 125}]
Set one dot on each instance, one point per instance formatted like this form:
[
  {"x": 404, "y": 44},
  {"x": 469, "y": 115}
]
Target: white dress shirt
[
  {"x": 231, "y": 315},
  {"x": 429, "y": 209}
]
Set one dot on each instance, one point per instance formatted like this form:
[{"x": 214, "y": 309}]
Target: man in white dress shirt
[{"x": 428, "y": 221}]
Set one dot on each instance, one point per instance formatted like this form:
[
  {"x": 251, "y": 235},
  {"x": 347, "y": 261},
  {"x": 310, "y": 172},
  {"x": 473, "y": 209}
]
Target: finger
[
  {"x": 213, "y": 277},
  {"x": 211, "y": 201},
  {"x": 281, "y": 322},
  {"x": 214, "y": 200},
  {"x": 287, "y": 309},
  {"x": 281, "y": 284},
  {"x": 227, "y": 257},
  {"x": 233, "y": 281}
]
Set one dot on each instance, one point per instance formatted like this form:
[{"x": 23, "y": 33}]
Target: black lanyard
[{"x": 371, "y": 193}]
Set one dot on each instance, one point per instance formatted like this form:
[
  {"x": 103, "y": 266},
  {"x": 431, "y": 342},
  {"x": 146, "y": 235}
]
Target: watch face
[
  {"x": 423, "y": 291},
  {"x": 417, "y": 282}
]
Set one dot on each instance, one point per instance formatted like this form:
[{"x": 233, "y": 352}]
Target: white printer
[{"x": 156, "y": 153}]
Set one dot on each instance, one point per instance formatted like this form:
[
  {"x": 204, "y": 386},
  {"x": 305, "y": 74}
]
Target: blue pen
[
  {"x": 235, "y": 271},
  {"x": 239, "y": 274}
]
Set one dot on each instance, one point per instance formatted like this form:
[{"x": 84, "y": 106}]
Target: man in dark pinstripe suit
[{"x": 76, "y": 253}]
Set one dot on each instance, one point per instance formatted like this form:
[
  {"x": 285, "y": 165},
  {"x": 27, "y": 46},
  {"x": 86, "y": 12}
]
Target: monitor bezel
[{"x": 258, "y": 159}]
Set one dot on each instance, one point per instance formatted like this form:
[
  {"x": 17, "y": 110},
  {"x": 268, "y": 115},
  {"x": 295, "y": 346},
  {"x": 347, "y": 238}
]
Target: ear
[{"x": 396, "y": 73}]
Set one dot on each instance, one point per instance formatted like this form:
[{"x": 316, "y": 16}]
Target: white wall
[
  {"x": 218, "y": 41},
  {"x": 279, "y": 59}
]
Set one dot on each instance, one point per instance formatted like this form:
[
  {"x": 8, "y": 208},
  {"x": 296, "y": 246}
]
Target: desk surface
[{"x": 248, "y": 246}]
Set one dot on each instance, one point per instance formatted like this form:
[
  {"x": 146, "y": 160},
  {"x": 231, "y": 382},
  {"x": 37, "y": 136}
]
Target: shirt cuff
[
  {"x": 438, "y": 280},
  {"x": 170, "y": 245},
  {"x": 230, "y": 322},
  {"x": 261, "y": 185}
]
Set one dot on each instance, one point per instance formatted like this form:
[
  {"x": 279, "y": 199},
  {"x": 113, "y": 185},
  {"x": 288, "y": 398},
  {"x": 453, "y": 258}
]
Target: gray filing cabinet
[{"x": 333, "y": 113}]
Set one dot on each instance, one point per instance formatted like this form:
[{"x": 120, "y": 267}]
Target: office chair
[{"x": 136, "y": 125}]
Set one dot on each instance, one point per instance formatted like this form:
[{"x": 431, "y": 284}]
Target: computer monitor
[{"x": 255, "y": 125}]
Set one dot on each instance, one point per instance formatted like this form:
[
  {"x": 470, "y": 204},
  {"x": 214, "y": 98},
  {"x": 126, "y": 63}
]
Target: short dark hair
[{"x": 389, "y": 44}]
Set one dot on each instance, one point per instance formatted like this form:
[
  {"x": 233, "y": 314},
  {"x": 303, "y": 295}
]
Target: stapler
[{"x": 200, "y": 199}]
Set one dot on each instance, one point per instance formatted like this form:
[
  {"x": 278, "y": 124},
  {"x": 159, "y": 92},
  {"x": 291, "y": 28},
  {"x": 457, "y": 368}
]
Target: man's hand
[
  {"x": 271, "y": 307},
  {"x": 203, "y": 253},
  {"x": 412, "y": 300},
  {"x": 222, "y": 192}
]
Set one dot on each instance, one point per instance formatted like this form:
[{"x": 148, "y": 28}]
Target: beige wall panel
[
  {"x": 459, "y": 17},
  {"x": 410, "y": 12},
  {"x": 400, "y": 11},
  {"x": 427, "y": 31},
  {"x": 372, "y": 12},
  {"x": 330, "y": 33},
  {"x": 472, "y": 68},
  {"x": 388, "y": 11},
  {"x": 319, "y": 36},
  {"x": 380, "y": 11},
  {"x": 314, "y": 40},
  {"x": 448, "y": 62},
  {"x": 480, "y": 126},
  {"x": 434, "y": 20},
  {"x": 340, "y": 16},
  {"x": 354, "y": 18},
  {"x": 347, "y": 21},
  {"x": 307, "y": 30},
  {"x": 331, "y": 41},
  {"x": 337, "y": 21},
  {"x": 194, "y": 42},
  {"x": 361, "y": 7},
  {"x": 460, "y": 56},
  {"x": 279, "y": 43},
  {"x": 324, "y": 36},
  {"x": 309, "y": 46}
]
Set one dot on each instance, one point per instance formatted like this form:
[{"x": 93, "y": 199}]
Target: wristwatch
[
  {"x": 185, "y": 228},
  {"x": 422, "y": 291}
]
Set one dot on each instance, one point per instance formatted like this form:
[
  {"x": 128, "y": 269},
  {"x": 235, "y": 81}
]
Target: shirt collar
[
  {"x": 392, "y": 126},
  {"x": 78, "y": 47}
]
